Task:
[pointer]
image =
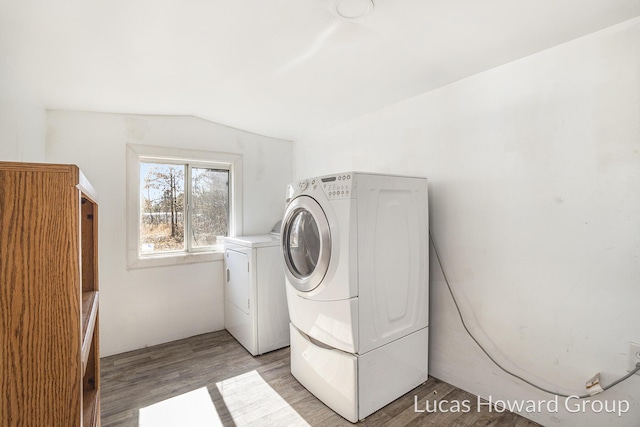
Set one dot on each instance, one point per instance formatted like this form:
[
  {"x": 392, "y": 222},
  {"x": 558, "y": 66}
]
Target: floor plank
[{"x": 169, "y": 381}]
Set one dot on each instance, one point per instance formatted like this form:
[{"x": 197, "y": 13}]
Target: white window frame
[{"x": 196, "y": 158}]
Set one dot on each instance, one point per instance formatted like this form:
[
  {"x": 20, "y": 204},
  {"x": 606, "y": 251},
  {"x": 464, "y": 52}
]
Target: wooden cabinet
[{"x": 49, "y": 346}]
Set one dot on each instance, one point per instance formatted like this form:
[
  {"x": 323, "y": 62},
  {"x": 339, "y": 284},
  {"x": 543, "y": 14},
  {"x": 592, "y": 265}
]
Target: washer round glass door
[{"x": 306, "y": 243}]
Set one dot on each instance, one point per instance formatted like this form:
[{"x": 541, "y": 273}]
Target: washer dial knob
[{"x": 303, "y": 185}]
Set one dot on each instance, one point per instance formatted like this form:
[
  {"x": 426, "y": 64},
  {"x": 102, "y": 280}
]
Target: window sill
[{"x": 173, "y": 259}]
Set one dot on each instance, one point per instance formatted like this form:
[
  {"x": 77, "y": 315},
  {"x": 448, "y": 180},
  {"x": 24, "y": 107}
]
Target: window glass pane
[
  {"x": 210, "y": 206},
  {"x": 162, "y": 208}
]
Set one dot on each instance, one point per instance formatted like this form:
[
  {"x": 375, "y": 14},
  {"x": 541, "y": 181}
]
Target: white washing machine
[
  {"x": 255, "y": 304},
  {"x": 355, "y": 249}
]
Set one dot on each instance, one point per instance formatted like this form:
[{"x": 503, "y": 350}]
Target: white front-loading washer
[
  {"x": 255, "y": 308},
  {"x": 355, "y": 250}
]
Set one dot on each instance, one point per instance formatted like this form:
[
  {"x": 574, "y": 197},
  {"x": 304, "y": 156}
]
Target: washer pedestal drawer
[
  {"x": 331, "y": 375},
  {"x": 355, "y": 386}
]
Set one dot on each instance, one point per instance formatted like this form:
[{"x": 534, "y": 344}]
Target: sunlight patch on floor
[
  {"x": 193, "y": 409},
  {"x": 252, "y": 401},
  {"x": 248, "y": 398}
]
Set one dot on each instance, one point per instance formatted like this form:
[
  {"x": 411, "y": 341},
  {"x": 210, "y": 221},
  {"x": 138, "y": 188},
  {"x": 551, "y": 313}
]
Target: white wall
[
  {"x": 22, "y": 119},
  {"x": 534, "y": 172},
  {"x": 154, "y": 305}
]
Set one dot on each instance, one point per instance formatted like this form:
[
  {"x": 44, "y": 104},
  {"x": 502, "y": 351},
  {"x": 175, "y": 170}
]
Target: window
[{"x": 182, "y": 205}]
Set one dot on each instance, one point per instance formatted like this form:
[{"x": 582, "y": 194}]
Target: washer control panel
[
  {"x": 340, "y": 186},
  {"x": 337, "y": 186}
]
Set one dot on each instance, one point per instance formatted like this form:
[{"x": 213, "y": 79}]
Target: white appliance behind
[{"x": 255, "y": 309}]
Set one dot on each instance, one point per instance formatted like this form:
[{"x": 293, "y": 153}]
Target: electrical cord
[{"x": 464, "y": 324}]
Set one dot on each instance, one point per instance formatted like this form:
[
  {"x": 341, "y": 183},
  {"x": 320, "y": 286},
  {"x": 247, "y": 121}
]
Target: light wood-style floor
[{"x": 210, "y": 380}]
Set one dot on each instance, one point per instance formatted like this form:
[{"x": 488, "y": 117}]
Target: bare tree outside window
[
  {"x": 162, "y": 205},
  {"x": 179, "y": 217},
  {"x": 210, "y": 206}
]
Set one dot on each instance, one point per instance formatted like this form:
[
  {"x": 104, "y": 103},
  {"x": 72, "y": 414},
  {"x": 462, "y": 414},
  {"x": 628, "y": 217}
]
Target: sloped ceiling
[{"x": 282, "y": 68}]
